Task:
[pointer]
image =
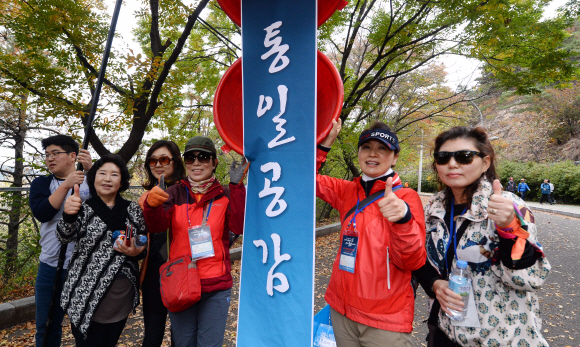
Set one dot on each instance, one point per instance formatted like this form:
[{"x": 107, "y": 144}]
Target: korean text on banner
[{"x": 279, "y": 90}]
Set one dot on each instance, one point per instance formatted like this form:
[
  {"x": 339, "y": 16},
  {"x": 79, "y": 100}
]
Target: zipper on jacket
[{"x": 388, "y": 270}]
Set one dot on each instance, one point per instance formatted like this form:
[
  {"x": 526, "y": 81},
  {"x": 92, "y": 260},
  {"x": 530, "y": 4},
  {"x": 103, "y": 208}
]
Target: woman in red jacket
[
  {"x": 382, "y": 241},
  {"x": 200, "y": 200}
]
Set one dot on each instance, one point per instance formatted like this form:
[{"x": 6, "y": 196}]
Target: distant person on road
[
  {"x": 472, "y": 220},
  {"x": 552, "y": 192},
  {"x": 511, "y": 186},
  {"x": 545, "y": 187},
  {"x": 370, "y": 292},
  {"x": 523, "y": 189},
  {"x": 102, "y": 286},
  {"x": 47, "y": 195}
]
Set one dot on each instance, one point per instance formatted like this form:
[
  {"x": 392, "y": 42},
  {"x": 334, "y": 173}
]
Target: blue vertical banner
[{"x": 279, "y": 93}]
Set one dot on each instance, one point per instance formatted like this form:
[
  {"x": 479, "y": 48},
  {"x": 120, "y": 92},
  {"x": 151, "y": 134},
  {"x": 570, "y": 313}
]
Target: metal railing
[{"x": 28, "y": 238}]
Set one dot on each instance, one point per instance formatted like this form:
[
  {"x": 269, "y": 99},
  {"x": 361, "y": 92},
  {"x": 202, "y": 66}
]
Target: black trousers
[
  {"x": 545, "y": 197},
  {"x": 154, "y": 312},
  {"x": 437, "y": 338},
  {"x": 99, "y": 334}
]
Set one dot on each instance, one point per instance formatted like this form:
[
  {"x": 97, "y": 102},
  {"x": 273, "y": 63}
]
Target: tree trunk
[{"x": 10, "y": 265}]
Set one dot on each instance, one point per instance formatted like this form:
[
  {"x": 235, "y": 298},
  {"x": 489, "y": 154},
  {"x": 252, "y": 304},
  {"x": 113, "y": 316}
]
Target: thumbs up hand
[
  {"x": 500, "y": 209},
  {"x": 73, "y": 202},
  {"x": 392, "y": 208}
]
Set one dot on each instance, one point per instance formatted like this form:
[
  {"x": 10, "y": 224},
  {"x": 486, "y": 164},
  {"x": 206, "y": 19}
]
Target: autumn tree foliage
[
  {"x": 63, "y": 42},
  {"x": 383, "y": 50}
]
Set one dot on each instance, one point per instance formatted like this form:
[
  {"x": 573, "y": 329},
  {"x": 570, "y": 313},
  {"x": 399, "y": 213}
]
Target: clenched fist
[
  {"x": 500, "y": 209},
  {"x": 157, "y": 197},
  {"x": 392, "y": 208},
  {"x": 73, "y": 203}
]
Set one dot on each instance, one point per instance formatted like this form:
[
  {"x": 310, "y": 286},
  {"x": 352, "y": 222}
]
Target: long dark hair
[
  {"x": 481, "y": 142},
  {"x": 109, "y": 158},
  {"x": 178, "y": 167}
]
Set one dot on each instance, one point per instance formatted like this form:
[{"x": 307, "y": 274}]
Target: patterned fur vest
[
  {"x": 94, "y": 263},
  {"x": 506, "y": 299}
]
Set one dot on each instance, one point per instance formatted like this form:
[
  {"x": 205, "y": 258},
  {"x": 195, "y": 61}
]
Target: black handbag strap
[{"x": 364, "y": 202}]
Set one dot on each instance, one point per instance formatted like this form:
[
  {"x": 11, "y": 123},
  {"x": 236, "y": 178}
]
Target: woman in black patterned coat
[{"x": 101, "y": 288}]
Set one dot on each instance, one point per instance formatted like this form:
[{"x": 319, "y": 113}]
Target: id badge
[
  {"x": 200, "y": 242},
  {"x": 348, "y": 253}
]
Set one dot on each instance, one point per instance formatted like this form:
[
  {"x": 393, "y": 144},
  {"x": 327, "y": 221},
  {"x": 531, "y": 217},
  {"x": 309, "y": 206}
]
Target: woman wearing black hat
[
  {"x": 195, "y": 202},
  {"x": 382, "y": 241}
]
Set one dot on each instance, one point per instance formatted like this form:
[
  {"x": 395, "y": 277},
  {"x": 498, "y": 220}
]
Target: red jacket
[
  {"x": 364, "y": 296},
  {"x": 227, "y": 214}
]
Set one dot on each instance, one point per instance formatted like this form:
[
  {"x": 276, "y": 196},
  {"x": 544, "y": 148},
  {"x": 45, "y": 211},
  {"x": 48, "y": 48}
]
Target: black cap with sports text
[{"x": 382, "y": 135}]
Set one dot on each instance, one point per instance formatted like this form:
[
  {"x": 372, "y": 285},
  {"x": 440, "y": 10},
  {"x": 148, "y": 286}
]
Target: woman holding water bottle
[
  {"x": 472, "y": 224},
  {"x": 102, "y": 287}
]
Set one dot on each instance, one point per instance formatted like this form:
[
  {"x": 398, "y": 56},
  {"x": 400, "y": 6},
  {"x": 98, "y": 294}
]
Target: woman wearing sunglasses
[
  {"x": 101, "y": 288},
  {"x": 163, "y": 158},
  {"x": 494, "y": 232},
  {"x": 190, "y": 205}
]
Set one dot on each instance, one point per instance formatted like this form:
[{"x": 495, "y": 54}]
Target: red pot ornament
[{"x": 228, "y": 109}]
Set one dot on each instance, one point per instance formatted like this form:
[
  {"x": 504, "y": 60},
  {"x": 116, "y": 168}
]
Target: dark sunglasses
[
  {"x": 163, "y": 160},
  {"x": 203, "y": 158},
  {"x": 461, "y": 157}
]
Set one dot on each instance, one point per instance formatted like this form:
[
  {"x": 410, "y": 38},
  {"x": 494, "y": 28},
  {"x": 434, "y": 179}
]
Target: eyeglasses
[
  {"x": 162, "y": 160},
  {"x": 461, "y": 157},
  {"x": 203, "y": 158},
  {"x": 52, "y": 155}
]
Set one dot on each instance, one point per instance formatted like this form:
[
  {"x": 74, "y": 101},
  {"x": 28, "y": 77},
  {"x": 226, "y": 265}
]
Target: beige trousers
[{"x": 349, "y": 333}]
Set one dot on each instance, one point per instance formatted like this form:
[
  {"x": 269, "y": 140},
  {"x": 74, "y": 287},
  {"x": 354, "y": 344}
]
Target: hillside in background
[
  {"x": 542, "y": 127},
  {"x": 539, "y": 128}
]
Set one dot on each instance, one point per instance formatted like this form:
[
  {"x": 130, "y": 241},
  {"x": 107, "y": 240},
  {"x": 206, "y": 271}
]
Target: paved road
[{"x": 560, "y": 236}]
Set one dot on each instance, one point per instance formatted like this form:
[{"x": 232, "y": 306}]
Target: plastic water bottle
[
  {"x": 141, "y": 241},
  {"x": 460, "y": 283}
]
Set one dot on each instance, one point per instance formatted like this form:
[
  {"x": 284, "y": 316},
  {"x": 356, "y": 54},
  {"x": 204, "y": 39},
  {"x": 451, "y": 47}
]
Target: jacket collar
[
  {"x": 477, "y": 212},
  {"x": 379, "y": 183}
]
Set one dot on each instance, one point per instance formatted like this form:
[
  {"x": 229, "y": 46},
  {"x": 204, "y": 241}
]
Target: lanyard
[
  {"x": 358, "y": 210},
  {"x": 452, "y": 231},
  {"x": 205, "y": 218}
]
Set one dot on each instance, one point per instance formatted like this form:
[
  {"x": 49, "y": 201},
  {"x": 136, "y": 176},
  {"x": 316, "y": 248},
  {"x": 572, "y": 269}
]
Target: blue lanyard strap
[
  {"x": 452, "y": 231},
  {"x": 358, "y": 210},
  {"x": 204, "y": 220}
]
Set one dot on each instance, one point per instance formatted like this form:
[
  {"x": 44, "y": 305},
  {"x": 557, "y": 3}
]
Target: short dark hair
[
  {"x": 109, "y": 158},
  {"x": 65, "y": 142},
  {"x": 178, "y": 167},
  {"x": 480, "y": 139}
]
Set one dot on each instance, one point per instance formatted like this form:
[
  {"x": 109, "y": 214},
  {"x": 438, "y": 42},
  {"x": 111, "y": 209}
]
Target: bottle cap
[
  {"x": 462, "y": 264},
  {"x": 143, "y": 239}
]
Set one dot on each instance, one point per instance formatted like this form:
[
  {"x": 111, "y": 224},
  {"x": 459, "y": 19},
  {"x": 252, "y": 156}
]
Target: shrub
[{"x": 565, "y": 176}]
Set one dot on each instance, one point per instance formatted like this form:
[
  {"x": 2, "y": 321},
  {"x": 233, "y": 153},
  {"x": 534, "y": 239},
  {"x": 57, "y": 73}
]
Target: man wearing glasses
[{"x": 47, "y": 196}]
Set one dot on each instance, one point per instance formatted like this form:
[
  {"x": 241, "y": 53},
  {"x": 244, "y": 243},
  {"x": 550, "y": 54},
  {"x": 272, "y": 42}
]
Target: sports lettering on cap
[{"x": 382, "y": 135}]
